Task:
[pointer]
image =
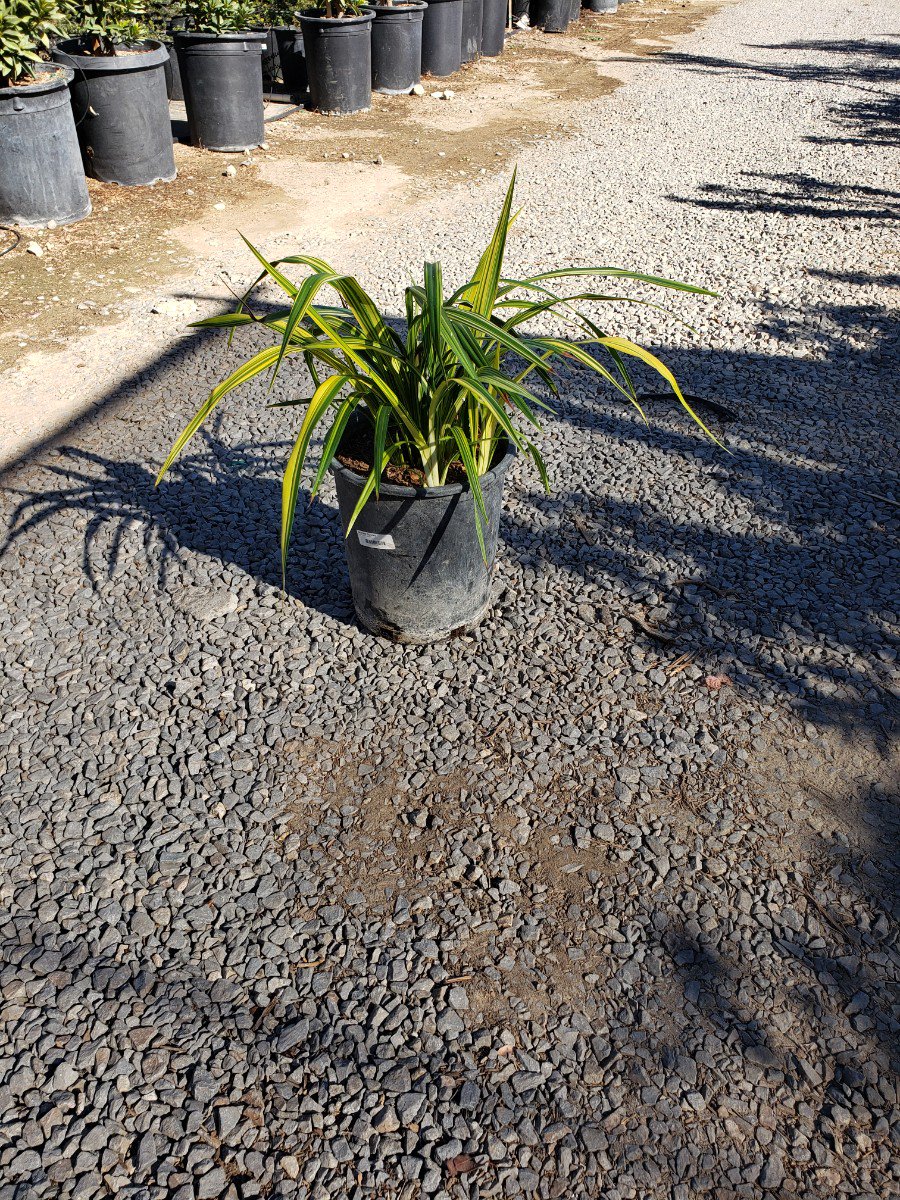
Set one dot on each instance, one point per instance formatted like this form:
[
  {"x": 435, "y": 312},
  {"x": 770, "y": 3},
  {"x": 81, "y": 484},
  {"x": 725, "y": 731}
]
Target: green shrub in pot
[
  {"x": 438, "y": 406},
  {"x": 221, "y": 16},
  {"x": 108, "y": 27},
  {"x": 26, "y": 30}
]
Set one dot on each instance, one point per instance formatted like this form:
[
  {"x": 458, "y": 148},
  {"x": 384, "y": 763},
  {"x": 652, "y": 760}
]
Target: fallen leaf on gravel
[
  {"x": 460, "y": 1164},
  {"x": 714, "y": 682}
]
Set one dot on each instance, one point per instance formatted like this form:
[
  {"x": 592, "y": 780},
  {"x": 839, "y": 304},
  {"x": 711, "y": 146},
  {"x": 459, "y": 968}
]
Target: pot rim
[
  {"x": 197, "y": 35},
  {"x": 404, "y": 8},
  {"x": 362, "y": 18},
  {"x": 132, "y": 60},
  {"x": 399, "y": 491},
  {"x": 62, "y": 79}
]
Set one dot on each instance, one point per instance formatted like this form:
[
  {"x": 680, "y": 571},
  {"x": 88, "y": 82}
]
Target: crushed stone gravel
[{"x": 288, "y": 911}]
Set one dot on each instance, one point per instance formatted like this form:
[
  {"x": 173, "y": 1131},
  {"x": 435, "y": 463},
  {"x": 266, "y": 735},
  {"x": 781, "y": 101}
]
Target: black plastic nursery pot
[
  {"x": 493, "y": 28},
  {"x": 397, "y": 47},
  {"x": 41, "y": 178},
  {"x": 575, "y": 13},
  {"x": 223, "y": 91},
  {"x": 520, "y": 9},
  {"x": 338, "y": 61},
  {"x": 442, "y": 37},
  {"x": 473, "y": 13},
  {"x": 552, "y": 16},
  {"x": 174, "y": 90},
  {"x": 283, "y": 61},
  {"x": 603, "y": 6},
  {"x": 121, "y": 112},
  {"x": 291, "y": 59},
  {"x": 416, "y": 569}
]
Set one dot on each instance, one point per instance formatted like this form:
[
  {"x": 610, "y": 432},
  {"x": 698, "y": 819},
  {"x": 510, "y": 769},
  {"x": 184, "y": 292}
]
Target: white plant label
[{"x": 376, "y": 541}]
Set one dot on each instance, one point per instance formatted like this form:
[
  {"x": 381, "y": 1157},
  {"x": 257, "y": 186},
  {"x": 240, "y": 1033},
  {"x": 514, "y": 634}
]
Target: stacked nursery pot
[
  {"x": 121, "y": 108},
  {"x": 397, "y": 46},
  {"x": 42, "y": 179},
  {"x": 338, "y": 48}
]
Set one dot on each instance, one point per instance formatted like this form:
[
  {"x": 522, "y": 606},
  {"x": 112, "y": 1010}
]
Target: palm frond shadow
[{"x": 222, "y": 500}]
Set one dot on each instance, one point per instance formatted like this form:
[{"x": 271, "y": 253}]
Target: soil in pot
[
  {"x": 493, "y": 28},
  {"x": 473, "y": 14},
  {"x": 121, "y": 112},
  {"x": 338, "y": 60},
  {"x": 442, "y": 37},
  {"x": 416, "y": 569},
  {"x": 552, "y": 16},
  {"x": 396, "y": 47},
  {"x": 41, "y": 178},
  {"x": 223, "y": 94}
]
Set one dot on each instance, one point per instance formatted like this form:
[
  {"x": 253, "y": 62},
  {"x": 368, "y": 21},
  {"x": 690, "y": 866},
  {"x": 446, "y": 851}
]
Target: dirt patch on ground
[{"x": 90, "y": 272}]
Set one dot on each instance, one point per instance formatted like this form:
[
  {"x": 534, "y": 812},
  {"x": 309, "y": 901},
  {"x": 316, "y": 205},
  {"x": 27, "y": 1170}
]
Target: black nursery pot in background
[
  {"x": 603, "y": 6},
  {"x": 174, "y": 90},
  {"x": 397, "y": 47},
  {"x": 291, "y": 59},
  {"x": 121, "y": 112},
  {"x": 283, "y": 61},
  {"x": 41, "y": 178},
  {"x": 551, "y": 15},
  {"x": 493, "y": 28},
  {"x": 223, "y": 93},
  {"x": 442, "y": 37},
  {"x": 338, "y": 60},
  {"x": 473, "y": 13}
]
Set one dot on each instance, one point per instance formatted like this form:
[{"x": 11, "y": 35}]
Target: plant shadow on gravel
[
  {"x": 864, "y": 67},
  {"x": 794, "y": 591},
  {"x": 222, "y": 500},
  {"x": 797, "y": 195}
]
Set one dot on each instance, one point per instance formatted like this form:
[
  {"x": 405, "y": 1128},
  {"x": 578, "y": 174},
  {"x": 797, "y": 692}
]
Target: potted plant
[
  {"x": 420, "y": 427},
  {"x": 41, "y": 179},
  {"x": 283, "y": 60},
  {"x": 337, "y": 40},
  {"x": 119, "y": 94},
  {"x": 219, "y": 61},
  {"x": 397, "y": 45},
  {"x": 442, "y": 28}
]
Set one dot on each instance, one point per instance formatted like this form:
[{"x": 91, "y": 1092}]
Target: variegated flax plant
[{"x": 448, "y": 392}]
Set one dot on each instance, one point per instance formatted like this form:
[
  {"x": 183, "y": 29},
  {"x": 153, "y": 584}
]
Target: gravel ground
[{"x": 289, "y": 911}]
